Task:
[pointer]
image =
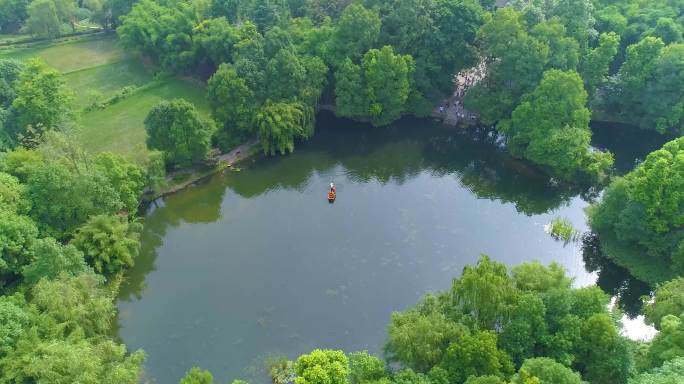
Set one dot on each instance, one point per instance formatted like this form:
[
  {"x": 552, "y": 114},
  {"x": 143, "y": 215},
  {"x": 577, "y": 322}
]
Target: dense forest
[{"x": 68, "y": 217}]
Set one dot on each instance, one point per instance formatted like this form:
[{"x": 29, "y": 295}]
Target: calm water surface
[{"x": 257, "y": 263}]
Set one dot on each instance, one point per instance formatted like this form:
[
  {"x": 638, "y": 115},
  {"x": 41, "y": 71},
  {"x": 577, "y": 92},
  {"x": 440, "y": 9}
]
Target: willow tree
[{"x": 279, "y": 124}]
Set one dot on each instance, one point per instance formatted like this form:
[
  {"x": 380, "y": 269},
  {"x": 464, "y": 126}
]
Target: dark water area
[{"x": 257, "y": 263}]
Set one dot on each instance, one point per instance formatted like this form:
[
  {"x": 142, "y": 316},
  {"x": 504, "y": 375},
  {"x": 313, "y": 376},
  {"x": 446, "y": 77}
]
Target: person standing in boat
[{"x": 332, "y": 188}]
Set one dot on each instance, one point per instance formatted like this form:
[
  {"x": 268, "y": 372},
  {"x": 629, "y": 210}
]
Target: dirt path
[
  {"x": 238, "y": 154},
  {"x": 451, "y": 111}
]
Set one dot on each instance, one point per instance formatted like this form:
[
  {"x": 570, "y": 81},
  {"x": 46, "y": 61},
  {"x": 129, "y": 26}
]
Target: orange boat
[{"x": 331, "y": 196}]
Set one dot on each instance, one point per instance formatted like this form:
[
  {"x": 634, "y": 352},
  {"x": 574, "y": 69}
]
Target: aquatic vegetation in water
[{"x": 562, "y": 229}]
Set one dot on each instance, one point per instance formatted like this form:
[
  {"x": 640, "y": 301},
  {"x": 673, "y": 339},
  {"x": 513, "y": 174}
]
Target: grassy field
[
  {"x": 106, "y": 80},
  {"x": 119, "y": 128},
  {"x": 101, "y": 66},
  {"x": 74, "y": 55}
]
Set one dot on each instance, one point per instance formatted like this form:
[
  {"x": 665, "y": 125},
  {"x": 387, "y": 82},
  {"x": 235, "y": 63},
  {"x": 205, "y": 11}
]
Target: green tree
[
  {"x": 42, "y": 101},
  {"x": 484, "y": 293},
  {"x": 524, "y": 334},
  {"x": 232, "y": 104},
  {"x": 668, "y": 344},
  {"x": 322, "y": 367},
  {"x": 350, "y": 97},
  {"x": 65, "y": 341},
  {"x": 10, "y": 70},
  {"x": 17, "y": 236},
  {"x": 418, "y": 338},
  {"x": 638, "y": 219},
  {"x": 670, "y": 372},
  {"x": 43, "y": 19},
  {"x": 13, "y": 319},
  {"x": 551, "y": 128},
  {"x": 285, "y": 76},
  {"x": 476, "y": 355},
  {"x": 488, "y": 379},
  {"x": 63, "y": 199},
  {"x": 668, "y": 30},
  {"x": 596, "y": 62},
  {"x": 387, "y": 78},
  {"x": 110, "y": 243},
  {"x": 214, "y": 40},
  {"x": 14, "y": 14},
  {"x": 12, "y": 194},
  {"x": 515, "y": 64},
  {"x": 197, "y": 376},
  {"x": 279, "y": 124},
  {"x": 604, "y": 356},
  {"x": 51, "y": 259},
  {"x": 176, "y": 128},
  {"x": 355, "y": 33},
  {"x": 668, "y": 299},
  {"x": 365, "y": 368},
  {"x": 536, "y": 277},
  {"x": 126, "y": 177},
  {"x": 547, "y": 371},
  {"x": 577, "y": 16}
]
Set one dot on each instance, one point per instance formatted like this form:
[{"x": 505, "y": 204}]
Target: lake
[{"x": 257, "y": 263}]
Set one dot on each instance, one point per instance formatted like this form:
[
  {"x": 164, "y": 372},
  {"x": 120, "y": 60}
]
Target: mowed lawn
[
  {"x": 120, "y": 128},
  {"x": 72, "y": 56},
  {"x": 106, "y": 80}
]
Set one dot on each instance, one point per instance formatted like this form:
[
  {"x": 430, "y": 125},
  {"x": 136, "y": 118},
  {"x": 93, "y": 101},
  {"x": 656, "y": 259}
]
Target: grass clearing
[
  {"x": 119, "y": 128},
  {"x": 106, "y": 80},
  {"x": 73, "y": 55}
]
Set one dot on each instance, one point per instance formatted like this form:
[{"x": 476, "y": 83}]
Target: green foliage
[
  {"x": 387, "y": 78},
  {"x": 418, "y": 338},
  {"x": 489, "y": 379},
  {"x": 14, "y": 14},
  {"x": 597, "y": 61},
  {"x": 10, "y": 70},
  {"x": 365, "y": 368},
  {"x": 126, "y": 177},
  {"x": 64, "y": 343},
  {"x": 647, "y": 92},
  {"x": 547, "y": 371},
  {"x": 12, "y": 195},
  {"x": 484, "y": 293},
  {"x": 43, "y": 19},
  {"x": 378, "y": 89},
  {"x": 526, "y": 330},
  {"x": 669, "y": 342},
  {"x": 110, "y": 243},
  {"x": 641, "y": 212},
  {"x": 13, "y": 319},
  {"x": 516, "y": 62},
  {"x": 669, "y": 373},
  {"x": 551, "y": 127},
  {"x": 279, "y": 124},
  {"x": 668, "y": 299},
  {"x": 604, "y": 355},
  {"x": 177, "y": 129},
  {"x": 62, "y": 198},
  {"x": 215, "y": 39},
  {"x": 197, "y": 376},
  {"x": 322, "y": 367},
  {"x": 42, "y": 101},
  {"x": 51, "y": 259},
  {"x": 355, "y": 33},
  {"x": 476, "y": 355},
  {"x": 534, "y": 276},
  {"x": 561, "y": 228},
  {"x": 17, "y": 236}
]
